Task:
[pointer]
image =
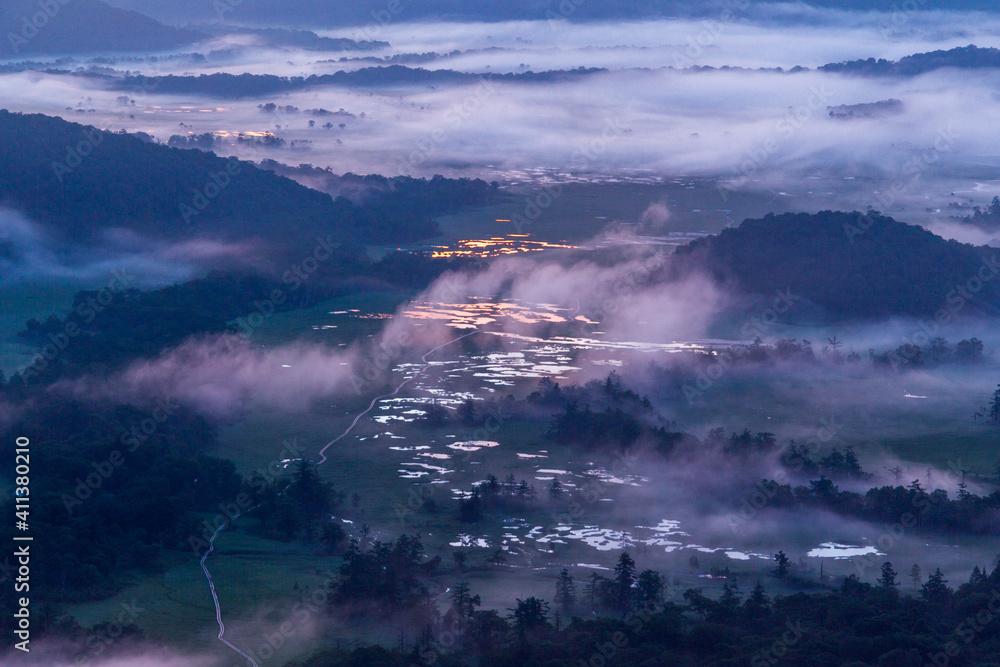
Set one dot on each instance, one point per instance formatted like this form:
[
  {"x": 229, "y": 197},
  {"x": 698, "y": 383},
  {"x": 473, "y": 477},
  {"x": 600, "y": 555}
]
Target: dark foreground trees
[
  {"x": 858, "y": 624},
  {"x": 385, "y": 577}
]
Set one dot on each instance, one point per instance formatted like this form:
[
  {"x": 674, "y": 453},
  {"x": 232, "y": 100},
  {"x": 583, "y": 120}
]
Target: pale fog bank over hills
[
  {"x": 320, "y": 13},
  {"x": 436, "y": 334},
  {"x": 813, "y": 107}
]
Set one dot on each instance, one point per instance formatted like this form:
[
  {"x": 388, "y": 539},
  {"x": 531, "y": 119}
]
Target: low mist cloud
[
  {"x": 224, "y": 376},
  {"x": 762, "y": 129},
  {"x": 47, "y": 653},
  {"x": 29, "y": 251}
]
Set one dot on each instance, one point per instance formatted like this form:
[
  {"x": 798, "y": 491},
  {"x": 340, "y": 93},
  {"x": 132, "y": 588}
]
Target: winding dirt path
[
  {"x": 215, "y": 596},
  {"x": 323, "y": 459}
]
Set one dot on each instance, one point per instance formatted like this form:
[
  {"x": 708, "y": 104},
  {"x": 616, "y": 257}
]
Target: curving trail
[
  {"x": 323, "y": 459},
  {"x": 375, "y": 400},
  {"x": 215, "y": 596}
]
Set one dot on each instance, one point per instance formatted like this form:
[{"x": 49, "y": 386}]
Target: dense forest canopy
[
  {"x": 854, "y": 265},
  {"x": 255, "y": 85},
  {"x": 81, "y": 181},
  {"x": 967, "y": 57},
  {"x": 856, "y": 625}
]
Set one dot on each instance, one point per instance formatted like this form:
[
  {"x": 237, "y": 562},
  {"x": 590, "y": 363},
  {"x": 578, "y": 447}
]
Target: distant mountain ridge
[
  {"x": 372, "y": 15},
  {"x": 302, "y": 39},
  {"x": 255, "y": 85},
  {"x": 964, "y": 57},
  {"x": 853, "y": 265},
  {"x": 234, "y": 86},
  {"x": 49, "y": 27},
  {"x": 880, "y": 109},
  {"x": 80, "y": 182}
]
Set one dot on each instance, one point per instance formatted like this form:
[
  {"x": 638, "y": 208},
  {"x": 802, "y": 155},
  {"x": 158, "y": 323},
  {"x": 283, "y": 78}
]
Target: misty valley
[{"x": 416, "y": 334}]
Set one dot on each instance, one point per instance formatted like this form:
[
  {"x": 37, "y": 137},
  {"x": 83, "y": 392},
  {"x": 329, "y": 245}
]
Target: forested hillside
[
  {"x": 853, "y": 265},
  {"x": 80, "y": 181},
  {"x": 967, "y": 57},
  {"x": 30, "y": 27}
]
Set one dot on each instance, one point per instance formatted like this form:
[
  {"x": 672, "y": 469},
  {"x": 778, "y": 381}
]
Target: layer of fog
[
  {"x": 817, "y": 37},
  {"x": 738, "y": 126},
  {"x": 750, "y": 526},
  {"x": 621, "y": 297},
  {"x": 703, "y": 489},
  {"x": 104, "y": 650},
  {"x": 757, "y": 130},
  {"x": 795, "y": 34},
  {"x": 965, "y": 233},
  {"x": 29, "y": 252},
  {"x": 225, "y": 376},
  {"x": 521, "y": 127},
  {"x": 861, "y": 403}
]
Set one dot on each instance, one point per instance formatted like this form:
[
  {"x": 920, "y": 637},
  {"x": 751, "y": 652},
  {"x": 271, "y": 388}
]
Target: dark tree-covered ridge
[
  {"x": 963, "y": 57},
  {"x": 857, "y": 624},
  {"x": 58, "y": 30},
  {"x": 80, "y": 181},
  {"x": 256, "y": 85},
  {"x": 853, "y": 265}
]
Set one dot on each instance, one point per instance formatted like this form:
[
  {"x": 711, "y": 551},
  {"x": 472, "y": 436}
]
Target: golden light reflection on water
[
  {"x": 483, "y": 314},
  {"x": 496, "y": 246},
  {"x": 226, "y": 134},
  {"x": 479, "y": 314}
]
